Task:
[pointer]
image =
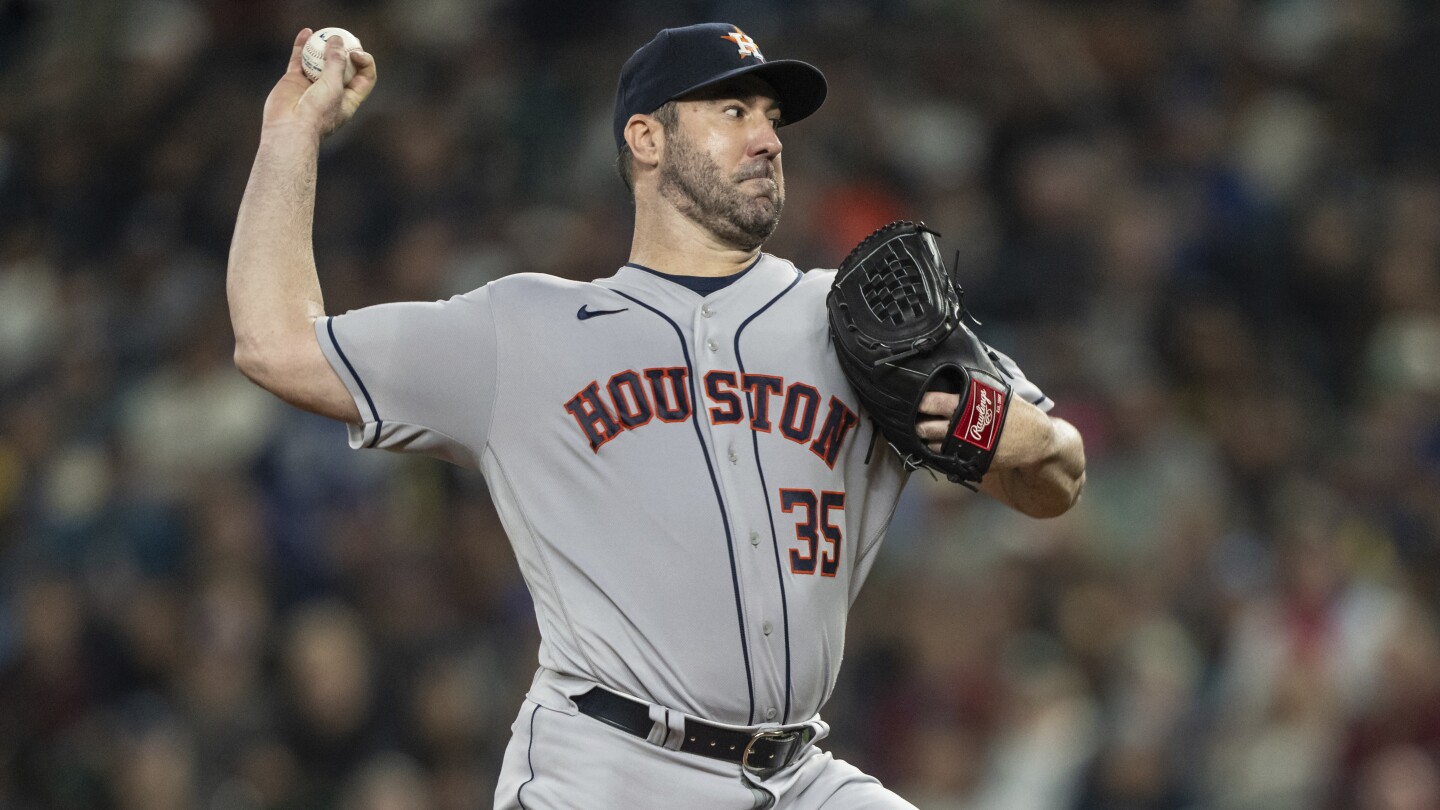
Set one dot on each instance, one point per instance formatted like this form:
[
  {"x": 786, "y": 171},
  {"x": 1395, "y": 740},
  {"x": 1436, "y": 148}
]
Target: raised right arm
[{"x": 271, "y": 281}]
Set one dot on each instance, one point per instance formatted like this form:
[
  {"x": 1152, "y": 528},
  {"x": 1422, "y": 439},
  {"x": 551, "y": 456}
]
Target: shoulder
[
  {"x": 816, "y": 283},
  {"x": 537, "y": 283},
  {"x": 809, "y": 280},
  {"x": 528, "y": 291},
  {"x": 819, "y": 276}
]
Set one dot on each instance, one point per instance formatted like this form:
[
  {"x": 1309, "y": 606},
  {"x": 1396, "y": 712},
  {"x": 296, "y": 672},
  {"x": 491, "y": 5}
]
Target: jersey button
[
  {"x": 770, "y": 713},
  {"x": 733, "y": 456},
  {"x": 706, "y": 311},
  {"x": 768, "y": 628},
  {"x": 712, "y": 345},
  {"x": 754, "y": 538}
]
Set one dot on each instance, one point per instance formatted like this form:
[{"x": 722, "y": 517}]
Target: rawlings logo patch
[{"x": 983, "y": 409}]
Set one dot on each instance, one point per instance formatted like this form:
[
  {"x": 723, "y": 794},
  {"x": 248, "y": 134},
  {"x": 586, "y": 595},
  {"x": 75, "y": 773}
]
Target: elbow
[
  {"x": 1076, "y": 489},
  {"x": 267, "y": 364},
  {"x": 251, "y": 361},
  {"x": 292, "y": 367},
  {"x": 1050, "y": 485},
  {"x": 1063, "y": 496},
  {"x": 1064, "y": 473},
  {"x": 244, "y": 360},
  {"x": 1051, "y": 496}
]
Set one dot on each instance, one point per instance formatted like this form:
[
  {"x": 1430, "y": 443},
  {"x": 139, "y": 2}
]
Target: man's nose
[{"x": 765, "y": 141}]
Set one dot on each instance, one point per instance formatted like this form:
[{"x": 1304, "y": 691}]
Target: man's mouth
[
  {"x": 768, "y": 190},
  {"x": 760, "y": 172},
  {"x": 765, "y": 182}
]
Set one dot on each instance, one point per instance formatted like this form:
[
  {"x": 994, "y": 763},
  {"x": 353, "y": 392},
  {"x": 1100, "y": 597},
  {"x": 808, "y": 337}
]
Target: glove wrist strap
[{"x": 975, "y": 428}]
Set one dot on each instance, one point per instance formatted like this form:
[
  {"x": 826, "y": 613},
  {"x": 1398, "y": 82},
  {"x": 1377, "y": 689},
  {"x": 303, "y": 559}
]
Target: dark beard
[{"x": 693, "y": 183}]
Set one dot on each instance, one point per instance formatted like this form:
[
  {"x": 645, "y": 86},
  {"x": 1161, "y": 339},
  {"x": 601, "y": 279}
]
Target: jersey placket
[{"x": 713, "y": 332}]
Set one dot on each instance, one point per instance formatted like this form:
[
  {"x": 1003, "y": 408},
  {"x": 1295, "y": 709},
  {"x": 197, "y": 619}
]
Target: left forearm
[{"x": 1039, "y": 466}]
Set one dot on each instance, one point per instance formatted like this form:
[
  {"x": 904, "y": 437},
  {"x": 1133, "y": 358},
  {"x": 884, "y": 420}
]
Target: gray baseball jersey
[{"x": 687, "y": 480}]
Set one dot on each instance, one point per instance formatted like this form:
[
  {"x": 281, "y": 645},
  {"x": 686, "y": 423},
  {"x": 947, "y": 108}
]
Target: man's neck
[{"x": 671, "y": 243}]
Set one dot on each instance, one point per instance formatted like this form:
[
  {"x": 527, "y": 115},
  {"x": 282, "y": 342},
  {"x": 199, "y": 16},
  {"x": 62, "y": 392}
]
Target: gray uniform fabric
[{"x": 684, "y": 479}]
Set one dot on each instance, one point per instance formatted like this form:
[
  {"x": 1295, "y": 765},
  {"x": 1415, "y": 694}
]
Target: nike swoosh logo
[{"x": 585, "y": 313}]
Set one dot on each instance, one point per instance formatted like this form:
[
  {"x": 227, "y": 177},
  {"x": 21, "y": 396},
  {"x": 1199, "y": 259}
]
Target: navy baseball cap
[{"x": 679, "y": 61}]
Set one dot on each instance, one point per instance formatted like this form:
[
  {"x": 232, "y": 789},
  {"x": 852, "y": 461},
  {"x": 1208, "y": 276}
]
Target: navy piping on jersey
[
  {"x": 765, "y": 492},
  {"x": 719, "y": 500},
  {"x": 529, "y": 759},
  {"x": 374, "y": 414},
  {"x": 874, "y": 434},
  {"x": 700, "y": 285}
]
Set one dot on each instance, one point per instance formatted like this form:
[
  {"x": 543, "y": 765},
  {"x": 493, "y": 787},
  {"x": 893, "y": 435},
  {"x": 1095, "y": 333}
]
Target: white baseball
[{"x": 312, "y": 57}]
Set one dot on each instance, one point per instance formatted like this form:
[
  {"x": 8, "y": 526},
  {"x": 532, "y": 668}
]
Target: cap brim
[{"x": 799, "y": 86}]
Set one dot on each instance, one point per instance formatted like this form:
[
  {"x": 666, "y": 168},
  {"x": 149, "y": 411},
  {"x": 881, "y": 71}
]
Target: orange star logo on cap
[{"x": 747, "y": 45}]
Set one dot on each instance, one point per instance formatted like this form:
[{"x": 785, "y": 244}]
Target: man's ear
[{"x": 646, "y": 138}]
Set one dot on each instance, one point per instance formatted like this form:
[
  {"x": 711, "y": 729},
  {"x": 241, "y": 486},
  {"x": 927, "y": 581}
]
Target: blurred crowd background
[{"x": 1210, "y": 229}]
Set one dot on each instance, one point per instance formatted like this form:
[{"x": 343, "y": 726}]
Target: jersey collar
[
  {"x": 751, "y": 287},
  {"x": 700, "y": 285}
]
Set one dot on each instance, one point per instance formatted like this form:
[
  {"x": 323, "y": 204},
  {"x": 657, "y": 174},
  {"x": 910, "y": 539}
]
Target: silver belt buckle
[{"x": 768, "y": 769}]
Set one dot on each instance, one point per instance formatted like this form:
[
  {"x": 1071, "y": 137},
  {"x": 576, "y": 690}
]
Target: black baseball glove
[{"x": 895, "y": 318}]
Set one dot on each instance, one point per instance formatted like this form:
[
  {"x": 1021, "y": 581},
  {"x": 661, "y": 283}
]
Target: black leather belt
[{"x": 763, "y": 753}]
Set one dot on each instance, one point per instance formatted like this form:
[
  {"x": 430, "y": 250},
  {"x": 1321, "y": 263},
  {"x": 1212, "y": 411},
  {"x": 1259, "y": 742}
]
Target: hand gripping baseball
[{"x": 324, "y": 106}]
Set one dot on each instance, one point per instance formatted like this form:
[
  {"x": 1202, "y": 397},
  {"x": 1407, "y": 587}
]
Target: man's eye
[
  {"x": 733, "y": 112},
  {"x": 775, "y": 123}
]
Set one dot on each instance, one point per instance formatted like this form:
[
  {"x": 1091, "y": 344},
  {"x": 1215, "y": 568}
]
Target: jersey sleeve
[
  {"x": 422, "y": 374},
  {"x": 1020, "y": 385}
]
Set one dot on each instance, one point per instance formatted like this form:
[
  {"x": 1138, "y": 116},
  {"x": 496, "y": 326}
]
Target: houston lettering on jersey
[{"x": 632, "y": 399}]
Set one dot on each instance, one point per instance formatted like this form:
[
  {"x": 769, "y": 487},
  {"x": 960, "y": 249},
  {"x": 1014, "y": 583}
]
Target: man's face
[{"x": 721, "y": 167}]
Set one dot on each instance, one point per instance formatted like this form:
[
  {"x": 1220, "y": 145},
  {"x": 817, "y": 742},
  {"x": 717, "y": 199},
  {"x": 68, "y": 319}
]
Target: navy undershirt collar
[{"x": 702, "y": 285}]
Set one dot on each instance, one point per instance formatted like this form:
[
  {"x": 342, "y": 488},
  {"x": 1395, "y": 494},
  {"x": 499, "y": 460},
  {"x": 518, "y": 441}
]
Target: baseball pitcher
[{"x": 695, "y": 459}]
